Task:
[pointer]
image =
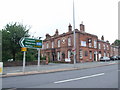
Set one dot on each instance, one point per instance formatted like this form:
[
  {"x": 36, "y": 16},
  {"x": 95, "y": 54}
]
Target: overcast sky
[{"x": 100, "y": 17}]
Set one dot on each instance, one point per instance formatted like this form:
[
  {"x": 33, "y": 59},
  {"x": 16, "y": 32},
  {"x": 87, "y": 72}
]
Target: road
[{"x": 99, "y": 77}]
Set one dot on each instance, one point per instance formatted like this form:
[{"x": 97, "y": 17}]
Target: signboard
[
  {"x": 23, "y": 49},
  {"x": 30, "y": 43}
]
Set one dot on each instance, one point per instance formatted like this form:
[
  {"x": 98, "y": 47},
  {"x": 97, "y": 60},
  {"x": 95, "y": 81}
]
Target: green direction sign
[{"x": 30, "y": 43}]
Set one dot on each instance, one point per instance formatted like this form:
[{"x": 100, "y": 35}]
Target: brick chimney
[
  {"x": 102, "y": 38},
  {"x": 82, "y": 27},
  {"x": 56, "y": 33},
  {"x": 69, "y": 28},
  {"x": 47, "y": 36}
]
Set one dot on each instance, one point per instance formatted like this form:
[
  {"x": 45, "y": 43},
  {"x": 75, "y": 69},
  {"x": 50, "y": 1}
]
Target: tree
[
  {"x": 117, "y": 42},
  {"x": 11, "y": 35}
]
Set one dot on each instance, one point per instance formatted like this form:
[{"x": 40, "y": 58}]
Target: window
[
  {"x": 42, "y": 46},
  {"x": 83, "y": 43},
  {"x": 86, "y": 53},
  {"x": 114, "y": 48},
  {"x": 69, "y": 54},
  {"x": 90, "y": 54},
  {"x": 90, "y": 42},
  {"x": 81, "y": 54},
  {"x": 95, "y": 44},
  {"x": 104, "y": 54},
  {"x": 104, "y": 46},
  {"x": 47, "y": 45},
  {"x": 69, "y": 41},
  {"x": 108, "y": 55},
  {"x": 99, "y": 46},
  {"x": 58, "y": 43},
  {"x": 58, "y": 56},
  {"x": 107, "y": 47},
  {"x": 52, "y": 44}
]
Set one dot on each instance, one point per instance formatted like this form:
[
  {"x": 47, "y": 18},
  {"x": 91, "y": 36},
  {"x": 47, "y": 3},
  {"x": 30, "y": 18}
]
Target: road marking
[
  {"x": 112, "y": 63},
  {"x": 79, "y": 78}
]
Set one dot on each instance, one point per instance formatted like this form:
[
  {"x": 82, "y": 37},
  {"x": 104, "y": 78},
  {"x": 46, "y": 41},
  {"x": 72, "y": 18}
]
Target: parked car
[
  {"x": 118, "y": 57},
  {"x": 104, "y": 59},
  {"x": 114, "y": 58}
]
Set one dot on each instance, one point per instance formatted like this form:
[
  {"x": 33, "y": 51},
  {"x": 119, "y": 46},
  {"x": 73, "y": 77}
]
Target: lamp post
[{"x": 74, "y": 34}]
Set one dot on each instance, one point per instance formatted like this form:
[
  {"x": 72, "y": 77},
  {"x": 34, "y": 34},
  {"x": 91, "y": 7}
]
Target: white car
[{"x": 104, "y": 59}]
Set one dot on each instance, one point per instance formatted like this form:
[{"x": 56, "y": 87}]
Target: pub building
[{"x": 60, "y": 47}]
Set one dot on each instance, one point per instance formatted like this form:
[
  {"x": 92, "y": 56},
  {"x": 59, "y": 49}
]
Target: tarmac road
[{"x": 99, "y": 77}]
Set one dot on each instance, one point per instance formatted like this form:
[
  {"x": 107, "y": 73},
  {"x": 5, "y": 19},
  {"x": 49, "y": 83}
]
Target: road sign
[
  {"x": 23, "y": 49},
  {"x": 30, "y": 43}
]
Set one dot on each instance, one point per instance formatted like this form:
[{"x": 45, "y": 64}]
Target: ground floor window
[
  {"x": 69, "y": 54},
  {"x": 58, "y": 56},
  {"x": 90, "y": 54},
  {"x": 108, "y": 54},
  {"x": 104, "y": 54},
  {"x": 81, "y": 54},
  {"x": 86, "y": 53}
]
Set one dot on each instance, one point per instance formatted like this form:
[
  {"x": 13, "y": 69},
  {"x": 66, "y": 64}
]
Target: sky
[{"x": 100, "y": 17}]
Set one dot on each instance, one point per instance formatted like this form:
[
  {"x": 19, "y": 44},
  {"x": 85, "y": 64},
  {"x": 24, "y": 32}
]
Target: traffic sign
[
  {"x": 23, "y": 49},
  {"x": 30, "y": 43}
]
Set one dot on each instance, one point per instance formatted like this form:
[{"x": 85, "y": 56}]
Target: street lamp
[{"x": 74, "y": 34}]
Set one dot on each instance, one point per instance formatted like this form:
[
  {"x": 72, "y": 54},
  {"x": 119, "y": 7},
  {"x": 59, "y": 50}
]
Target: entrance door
[{"x": 53, "y": 56}]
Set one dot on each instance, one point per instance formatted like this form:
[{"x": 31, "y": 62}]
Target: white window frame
[
  {"x": 69, "y": 54},
  {"x": 52, "y": 44},
  {"x": 90, "y": 54},
  {"x": 90, "y": 44},
  {"x": 95, "y": 43},
  {"x": 69, "y": 41},
  {"x": 47, "y": 45},
  {"x": 99, "y": 45},
  {"x": 104, "y": 46},
  {"x": 81, "y": 53},
  {"x": 43, "y": 46},
  {"x": 83, "y": 43},
  {"x": 58, "y": 56},
  {"x": 58, "y": 43}
]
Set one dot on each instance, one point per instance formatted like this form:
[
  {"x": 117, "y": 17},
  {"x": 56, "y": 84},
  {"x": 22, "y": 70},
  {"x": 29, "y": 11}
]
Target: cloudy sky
[{"x": 100, "y": 17}]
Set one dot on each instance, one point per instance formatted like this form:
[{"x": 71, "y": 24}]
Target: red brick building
[{"x": 59, "y": 47}]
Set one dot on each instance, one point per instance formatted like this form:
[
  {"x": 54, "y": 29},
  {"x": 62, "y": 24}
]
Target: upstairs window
[
  {"x": 47, "y": 45},
  {"x": 95, "y": 44},
  {"x": 83, "y": 43},
  {"x": 99, "y": 45},
  {"x": 69, "y": 41},
  {"x": 58, "y": 43},
  {"x": 52, "y": 44}
]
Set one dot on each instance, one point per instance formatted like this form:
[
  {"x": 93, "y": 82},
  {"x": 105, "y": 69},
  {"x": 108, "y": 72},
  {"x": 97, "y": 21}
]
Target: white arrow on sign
[{"x": 21, "y": 42}]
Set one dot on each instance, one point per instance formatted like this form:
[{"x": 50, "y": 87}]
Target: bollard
[
  {"x": 1, "y": 71},
  {"x": 1, "y": 68}
]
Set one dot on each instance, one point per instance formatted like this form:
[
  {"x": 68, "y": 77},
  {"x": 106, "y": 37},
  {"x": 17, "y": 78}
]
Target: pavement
[{"x": 51, "y": 67}]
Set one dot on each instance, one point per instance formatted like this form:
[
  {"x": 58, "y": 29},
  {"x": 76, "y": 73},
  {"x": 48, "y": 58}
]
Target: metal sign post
[
  {"x": 24, "y": 54},
  {"x": 38, "y": 57}
]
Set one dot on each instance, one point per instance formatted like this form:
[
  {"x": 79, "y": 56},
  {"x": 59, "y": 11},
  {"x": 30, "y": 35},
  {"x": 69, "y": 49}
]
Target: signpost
[
  {"x": 25, "y": 43},
  {"x": 30, "y": 43}
]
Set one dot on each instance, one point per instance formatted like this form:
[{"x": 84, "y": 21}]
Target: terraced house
[{"x": 59, "y": 47}]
